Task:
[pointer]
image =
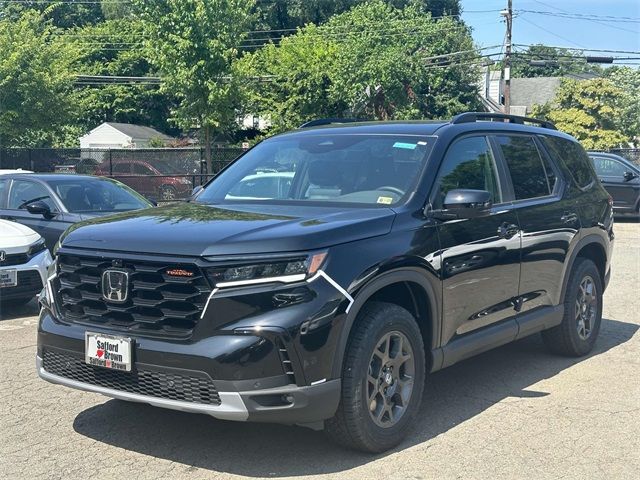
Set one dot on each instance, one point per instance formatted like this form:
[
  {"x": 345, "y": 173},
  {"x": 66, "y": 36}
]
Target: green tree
[
  {"x": 291, "y": 14},
  {"x": 36, "y": 82},
  {"x": 63, "y": 14},
  {"x": 192, "y": 43},
  {"x": 627, "y": 79},
  {"x": 115, "y": 48},
  {"x": 558, "y": 62},
  {"x": 587, "y": 110},
  {"x": 374, "y": 61}
]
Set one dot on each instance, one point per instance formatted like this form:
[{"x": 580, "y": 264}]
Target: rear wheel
[
  {"x": 577, "y": 333},
  {"x": 382, "y": 380},
  {"x": 167, "y": 193}
]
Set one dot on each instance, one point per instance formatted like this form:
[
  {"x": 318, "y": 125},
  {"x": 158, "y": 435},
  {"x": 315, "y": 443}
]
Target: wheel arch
[
  {"x": 408, "y": 288},
  {"x": 592, "y": 247}
]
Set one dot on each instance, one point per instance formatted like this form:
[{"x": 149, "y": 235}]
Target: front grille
[
  {"x": 14, "y": 259},
  {"x": 187, "y": 388},
  {"x": 157, "y": 303},
  {"x": 29, "y": 283}
]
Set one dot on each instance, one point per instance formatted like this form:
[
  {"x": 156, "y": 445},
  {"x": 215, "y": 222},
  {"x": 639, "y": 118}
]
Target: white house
[{"x": 121, "y": 135}]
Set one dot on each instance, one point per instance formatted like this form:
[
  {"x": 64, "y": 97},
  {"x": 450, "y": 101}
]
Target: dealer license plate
[
  {"x": 8, "y": 278},
  {"x": 108, "y": 351}
]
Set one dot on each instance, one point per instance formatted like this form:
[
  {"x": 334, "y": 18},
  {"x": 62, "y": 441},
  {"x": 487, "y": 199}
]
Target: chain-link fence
[
  {"x": 631, "y": 154},
  {"x": 160, "y": 174}
]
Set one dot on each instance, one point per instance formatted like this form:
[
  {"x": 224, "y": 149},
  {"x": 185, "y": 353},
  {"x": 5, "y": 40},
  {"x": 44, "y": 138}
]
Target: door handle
[
  {"x": 569, "y": 218},
  {"x": 508, "y": 230}
]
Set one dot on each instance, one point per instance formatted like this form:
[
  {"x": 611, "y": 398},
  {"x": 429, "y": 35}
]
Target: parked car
[
  {"x": 24, "y": 261},
  {"x": 621, "y": 178},
  {"x": 155, "y": 180},
  {"x": 400, "y": 248},
  {"x": 4, "y": 171},
  {"x": 49, "y": 203}
]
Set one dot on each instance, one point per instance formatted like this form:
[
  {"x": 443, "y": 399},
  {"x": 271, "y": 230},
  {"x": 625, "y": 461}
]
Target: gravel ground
[{"x": 510, "y": 413}]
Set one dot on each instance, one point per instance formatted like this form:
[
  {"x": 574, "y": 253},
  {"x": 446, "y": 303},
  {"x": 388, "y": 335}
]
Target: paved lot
[{"x": 511, "y": 413}]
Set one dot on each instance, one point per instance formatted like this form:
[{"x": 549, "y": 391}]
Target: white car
[
  {"x": 19, "y": 170},
  {"x": 24, "y": 260}
]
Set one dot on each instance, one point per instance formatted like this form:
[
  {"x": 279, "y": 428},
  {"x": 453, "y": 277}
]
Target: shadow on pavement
[
  {"x": 9, "y": 311},
  {"x": 452, "y": 397}
]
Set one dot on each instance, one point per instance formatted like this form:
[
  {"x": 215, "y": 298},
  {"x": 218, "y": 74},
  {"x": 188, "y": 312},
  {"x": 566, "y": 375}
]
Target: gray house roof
[
  {"x": 527, "y": 92},
  {"x": 138, "y": 132}
]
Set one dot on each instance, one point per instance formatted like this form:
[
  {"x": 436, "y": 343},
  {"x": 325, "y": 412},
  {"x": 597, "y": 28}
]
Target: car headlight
[
  {"x": 269, "y": 271},
  {"x": 37, "y": 247}
]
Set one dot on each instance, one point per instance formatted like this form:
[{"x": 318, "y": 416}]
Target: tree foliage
[
  {"x": 627, "y": 79},
  {"x": 113, "y": 48},
  {"x": 291, "y": 14},
  {"x": 36, "y": 82},
  {"x": 588, "y": 110},
  {"x": 192, "y": 44},
  {"x": 373, "y": 61},
  {"x": 62, "y": 14}
]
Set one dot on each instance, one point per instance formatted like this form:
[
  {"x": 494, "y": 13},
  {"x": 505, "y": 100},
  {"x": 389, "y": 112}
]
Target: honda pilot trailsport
[{"x": 396, "y": 249}]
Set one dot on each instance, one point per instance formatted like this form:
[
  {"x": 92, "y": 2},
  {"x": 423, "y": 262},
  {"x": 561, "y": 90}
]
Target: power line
[{"x": 582, "y": 16}]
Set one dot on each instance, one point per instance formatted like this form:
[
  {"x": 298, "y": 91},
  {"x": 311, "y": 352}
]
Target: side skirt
[{"x": 495, "y": 335}]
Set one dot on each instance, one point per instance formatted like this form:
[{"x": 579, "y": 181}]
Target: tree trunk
[{"x": 207, "y": 149}]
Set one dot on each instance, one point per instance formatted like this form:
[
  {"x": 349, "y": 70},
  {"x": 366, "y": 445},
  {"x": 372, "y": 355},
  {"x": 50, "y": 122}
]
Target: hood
[
  {"x": 14, "y": 237},
  {"x": 203, "y": 230}
]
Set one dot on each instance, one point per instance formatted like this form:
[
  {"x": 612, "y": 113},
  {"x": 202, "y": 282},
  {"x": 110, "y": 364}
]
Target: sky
[{"x": 530, "y": 28}]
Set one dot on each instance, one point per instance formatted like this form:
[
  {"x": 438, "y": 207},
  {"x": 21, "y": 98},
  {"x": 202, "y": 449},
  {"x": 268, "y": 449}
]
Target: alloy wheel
[
  {"x": 586, "y": 307},
  {"x": 390, "y": 379}
]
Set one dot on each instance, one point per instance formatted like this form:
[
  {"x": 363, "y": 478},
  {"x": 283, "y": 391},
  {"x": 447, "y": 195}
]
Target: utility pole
[{"x": 506, "y": 71}]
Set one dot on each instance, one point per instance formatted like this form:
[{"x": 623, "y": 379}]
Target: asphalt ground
[{"x": 515, "y": 412}]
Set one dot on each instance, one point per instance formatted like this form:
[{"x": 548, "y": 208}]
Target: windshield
[
  {"x": 359, "y": 169},
  {"x": 96, "y": 195}
]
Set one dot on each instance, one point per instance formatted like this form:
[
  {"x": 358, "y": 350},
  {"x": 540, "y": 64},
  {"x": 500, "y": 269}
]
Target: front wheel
[
  {"x": 168, "y": 193},
  {"x": 577, "y": 333},
  {"x": 382, "y": 380}
]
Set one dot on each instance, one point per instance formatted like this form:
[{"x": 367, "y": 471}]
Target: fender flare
[
  {"x": 583, "y": 242},
  {"x": 405, "y": 274}
]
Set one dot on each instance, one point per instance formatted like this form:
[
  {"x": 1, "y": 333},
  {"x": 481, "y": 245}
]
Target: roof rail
[
  {"x": 329, "y": 121},
  {"x": 471, "y": 117}
]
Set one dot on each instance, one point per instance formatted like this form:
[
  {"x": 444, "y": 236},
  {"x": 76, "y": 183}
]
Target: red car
[{"x": 156, "y": 180}]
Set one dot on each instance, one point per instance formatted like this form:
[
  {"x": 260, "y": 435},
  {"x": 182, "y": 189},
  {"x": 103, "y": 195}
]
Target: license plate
[
  {"x": 107, "y": 351},
  {"x": 8, "y": 278}
]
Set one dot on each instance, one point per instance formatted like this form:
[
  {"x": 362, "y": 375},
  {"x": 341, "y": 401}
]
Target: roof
[
  {"x": 138, "y": 132},
  {"x": 398, "y": 127},
  {"x": 536, "y": 90}
]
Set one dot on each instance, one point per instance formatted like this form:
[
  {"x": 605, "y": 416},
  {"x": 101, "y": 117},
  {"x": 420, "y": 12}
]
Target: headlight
[
  {"x": 36, "y": 247},
  {"x": 284, "y": 271}
]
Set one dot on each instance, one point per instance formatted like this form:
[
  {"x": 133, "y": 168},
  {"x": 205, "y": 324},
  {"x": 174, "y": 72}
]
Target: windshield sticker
[
  {"x": 385, "y": 200},
  {"x": 408, "y": 146}
]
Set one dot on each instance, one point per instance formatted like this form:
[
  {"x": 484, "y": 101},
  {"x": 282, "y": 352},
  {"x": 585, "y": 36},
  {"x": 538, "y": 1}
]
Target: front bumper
[
  {"x": 270, "y": 398},
  {"x": 39, "y": 264}
]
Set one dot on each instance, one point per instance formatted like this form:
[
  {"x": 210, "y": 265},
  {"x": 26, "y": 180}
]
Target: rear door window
[
  {"x": 531, "y": 175},
  {"x": 4, "y": 187},
  {"x": 573, "y": 156}
]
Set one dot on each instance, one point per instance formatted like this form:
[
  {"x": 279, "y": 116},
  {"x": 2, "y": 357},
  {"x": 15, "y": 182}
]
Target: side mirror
[
  {"x": 464, "y": 203},
  {"x": 39, "y": 208},
  {"x": 628, "y": 176},
  {"x": 196, "y": 190}
]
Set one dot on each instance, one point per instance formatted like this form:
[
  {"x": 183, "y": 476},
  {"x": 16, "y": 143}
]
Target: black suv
[{"x": 399, "y": 248}]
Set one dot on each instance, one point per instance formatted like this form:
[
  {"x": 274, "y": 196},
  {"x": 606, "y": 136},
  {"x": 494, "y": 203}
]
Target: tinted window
[
  {"x": 468, "y": 164},
  {"x": 122, "y": 168},
  {"x": 606, "y": 167},
  {"x": 4, "y": 185},
  {"x": 141, "y": 169},
  {"x": 25, "y": 191},
  {"x": 359, "y": 169},
  {"x": 529, "y": 175},
  {"x": 95, "y": 195},
  {"x": 574, "y": 157}
]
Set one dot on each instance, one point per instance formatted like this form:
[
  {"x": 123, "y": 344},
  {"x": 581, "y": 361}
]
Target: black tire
[
  {"x": 570, "y": 338},
  {"x": 353, "y": 425},
  {"x": 168, "y": 193}
]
